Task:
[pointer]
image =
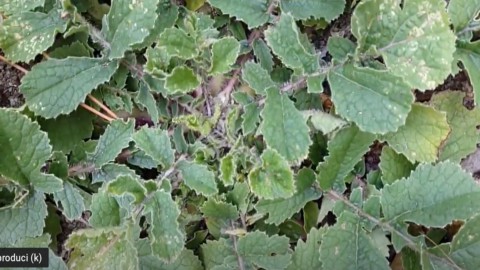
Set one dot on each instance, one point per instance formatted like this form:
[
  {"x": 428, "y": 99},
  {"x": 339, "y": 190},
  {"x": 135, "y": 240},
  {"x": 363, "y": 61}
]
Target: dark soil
[{"x": 9, "y": 82}]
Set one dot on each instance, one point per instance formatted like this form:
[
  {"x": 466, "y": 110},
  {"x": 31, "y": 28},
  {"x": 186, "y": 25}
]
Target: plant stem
[
  {"x": 21, "y": 69},
  {"x": 92, "y": 110},
  {"x": 105, "y": 108},
  {"x": 241, "y": 264}
]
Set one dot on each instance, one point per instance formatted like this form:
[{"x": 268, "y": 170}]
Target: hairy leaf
[
  {"x": 279, "y": 210},
  {"x": 346, "y": 245},
  {"x": 185, "y": 261},
  {"x": 252, "y": 12},
  {"x": 126, "y": 184},
  {"x": 257, "y": 77},
  {"x": 58, "y": 86},
  {"x": 394, "y": 166},
  {"x": 306, "y": 255},
  {"x": 128, "y": 22},
  {"x": 274, "y": 179},
  {"x": 224, "y": 54},
  {"x": 306, "y": 9},
  {"x": 71, "y": 201},
  {"x": 326, "y": 122},
  {"x": 8, "y": 7},
  {"x": 286, "y": 42},
  {"x": 463, "y": 12},
  {"x": 116, "y": 137},
  {"x": 102, "y": 248},
  {"x": 25, "y": 151},
  {"x": 345, "y": 150},
  {"x": 105, "y": 210},
  {"x": 178, "y": 43},
  {"x": 27, "y": 34},
  {"x": 26, "y": 220},
  {"x": 250, "y": 118},
  {"x": 466, "y": 245},
  {"x": 422, "y": 135},
  {"x": 228, "y": 167},
  {"x": 469, "y": 54},
  {"x": 415, "y": 41},
  {"x": 166, "y": 238},
  {"x": 464, "y": 136},
  {"x": 181, "y": 80},
  {"x": 429, "y": 203},
  {"x": 377, "y": 101},
  {"x": 198, "y": 178},
  {"x": 284, "y": 128},
  {"x": 156, "y": 144}
]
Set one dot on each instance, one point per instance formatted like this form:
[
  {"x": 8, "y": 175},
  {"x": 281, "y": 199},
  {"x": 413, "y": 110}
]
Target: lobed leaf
[
  {"x": 274, "y": 179},
  {"x": 126, "y": 184},
  {"x": 345, "y": 150},
  {"x": 346, "y": 245},
  {"x": 377, "y": 101},
  {"x": 465, "y": 246},
  {"x": 156, "y": 144},
  {"x": 307, "y": 9},
  {"x": 257, "y": 77},
  {"x": 252, "y": 12},
  {"x": 128, "y": 22},
  {"x": 178, "y": 43},
  {"x": 25, "y": 35},
  {"x": 58, "y": 86},
  {"x": 429, "y": 202},
  {"x": 116, "y": 137},
  {"x": 105, "y": 210},
  {"x": 306, "y": 255},
  {"x": 394, "y": 166},
  {"x": 462, "y": 13},
  {"x": 422, "y": 135},
  {"x": 25, "y": 151},
  {"x": 71, "y": 201},
  {"x": 415, "y": 41},
  {"x": 182, "y": 80},
  {"x": 469, "y": 54},
  {"x": 284, "y": 128},
  {"x": 286, "y": 42},
  {"x": 165, "y": 236},
  {"x": 198, "y": 178},
  {"x": 8, "y": 7},
  {"x": 224, "y": 54}
]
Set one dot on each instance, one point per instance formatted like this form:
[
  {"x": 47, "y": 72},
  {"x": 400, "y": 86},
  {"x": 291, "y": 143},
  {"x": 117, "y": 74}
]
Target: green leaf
[
  {"x": 25, "y": 151},
  {"x": 465, "y": 249},
  {"x": 394, "y": 166},
  {"x": 219, "y": 210},
  {"x": 27, "y": 34},
  {"x": 345, "y": 150},
  {"x": 110, "y": 172},
  {"x": 185, "y": 261},
  {"x": 178, "y": 43},
  {"x": 257, "y": 77},
  {"x": 167, "y": 14},
  {"x": 279, "y": 210},
  {"x": 340, "y": 48},
  {"x": 306, "y": 255},
  {"x": 127, "y": 184},
  {"x": 462, "y": 13},
  {"x": 377, "y": 101},
  {"x": 284, "y": 128},
  {"x": 252, "y": 12},
  {"x": 250, "y": 118},
  {"x": 422, "y": 135},
  {"x": 315, "y": 84},
  {"x": 155, "y": 143},
  {"x": 469, "y": 54},
  {"x": 198, "y": 178},
  {"x": 71, "y": 201},
  {"x": 274, "y": 179},
  {"x": 105, "y": 247},
  {"x": 415, "y": 41},
  {"x": 8, "y": 7},
  {"x": 347, "y": 246},
  {"x": 263, "y": 54},
  {"x": 213, "y": 253},
  {"x": 116, "y": 137},
  {"x": 286, "y": 42},
  {"x": 76, "y": 48},
  {"x": 307, "y": 9},
  {"x": 147, "y": 100},
  {"x": 58, "y": 86},
  {"x": 429, "y": 203},
  {"x": 26, "y": 220},
  {"x": 54, "y": 262},
  {"x": 105, "y": 210},
  {"x": 127, "y": 23},
  {"x": 228, "y": 169},
  {"x": 224, "y": 54},
  {"x": 463, "y": 138},
  {"x": 181, "y": 80},
  {"x": 165, "y": 236},
  {"x": 67, "y": 131},
  {"x": 326, "y": 122},
  {"x": 267, "y": 252}
]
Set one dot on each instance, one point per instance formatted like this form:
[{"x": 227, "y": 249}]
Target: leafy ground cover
[{"x": 241, "y": 134}]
